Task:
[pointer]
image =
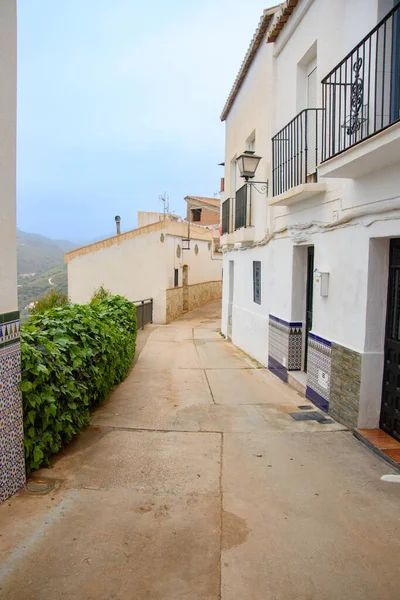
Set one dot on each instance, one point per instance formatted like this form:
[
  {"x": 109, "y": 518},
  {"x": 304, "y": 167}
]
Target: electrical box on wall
[{"x": 322, "y": 283}]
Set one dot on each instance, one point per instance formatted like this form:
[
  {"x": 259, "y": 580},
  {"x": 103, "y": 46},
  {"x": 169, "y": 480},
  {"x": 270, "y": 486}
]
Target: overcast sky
[{"x": 119, "y": 101}]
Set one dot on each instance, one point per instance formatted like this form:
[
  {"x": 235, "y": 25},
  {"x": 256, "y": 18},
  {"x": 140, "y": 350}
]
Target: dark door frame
[
  {"x": 389, "y": 419},
  {"x": 309, "y": 299}
]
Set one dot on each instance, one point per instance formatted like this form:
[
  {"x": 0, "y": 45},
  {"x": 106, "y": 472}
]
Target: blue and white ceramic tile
[
  {"x": 12, "y": 465},
  {"x": 319, "y": 366},
  {"x": 9, "y": 331},
  {"x": 285, "y": 343}
]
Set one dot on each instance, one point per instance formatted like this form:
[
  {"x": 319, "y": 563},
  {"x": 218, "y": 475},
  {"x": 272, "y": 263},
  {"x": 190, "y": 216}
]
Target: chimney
[
  {"x": 118, "y": 224},
  {"x": 222, "y": 184}
]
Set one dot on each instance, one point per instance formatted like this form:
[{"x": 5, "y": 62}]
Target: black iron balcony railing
[
  {"x": 295, "y": 151},
  {"x": 361, "y": 95},
  {"x": 241, "y": 217},
  {"x": 226, "y": 216}
]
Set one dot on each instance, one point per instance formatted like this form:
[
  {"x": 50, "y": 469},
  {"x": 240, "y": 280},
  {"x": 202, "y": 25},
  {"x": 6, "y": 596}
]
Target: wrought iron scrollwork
[
  {"x": 357, "y": 93},
  {"x": 263, "y": 186}
]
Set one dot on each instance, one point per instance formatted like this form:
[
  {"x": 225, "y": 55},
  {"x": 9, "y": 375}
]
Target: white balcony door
[{"x": 311, "y": 117}]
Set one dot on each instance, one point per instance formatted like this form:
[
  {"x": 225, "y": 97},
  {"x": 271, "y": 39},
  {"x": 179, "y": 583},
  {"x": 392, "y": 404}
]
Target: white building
[
  {"x": 157, "y": 260},
  {"x": 308, "y": 265},
  {"x": 12, "y": 468}
]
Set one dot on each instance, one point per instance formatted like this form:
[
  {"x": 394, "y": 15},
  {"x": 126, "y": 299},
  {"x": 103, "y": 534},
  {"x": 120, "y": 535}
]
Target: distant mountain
[
  {"x": 37, "y": 253},
  {"x": 40, "y": 267}
]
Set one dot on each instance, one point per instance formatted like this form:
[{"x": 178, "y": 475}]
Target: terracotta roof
[
  {"x": 212, "y": 201},
  {"x": 287, "y": 9},
  {"x": 265, "y": 20}
]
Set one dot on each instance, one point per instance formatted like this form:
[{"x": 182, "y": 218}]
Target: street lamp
[{"x": 247, "y": 164}]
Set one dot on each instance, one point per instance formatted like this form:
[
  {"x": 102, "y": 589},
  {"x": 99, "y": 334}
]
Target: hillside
[
  {"x": 40, "y": 267},
  {"x": 37, "y": 253}
]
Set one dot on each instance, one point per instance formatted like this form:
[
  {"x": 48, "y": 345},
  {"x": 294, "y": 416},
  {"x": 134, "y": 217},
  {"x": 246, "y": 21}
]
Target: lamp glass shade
[{"x": 248, "y": 163}]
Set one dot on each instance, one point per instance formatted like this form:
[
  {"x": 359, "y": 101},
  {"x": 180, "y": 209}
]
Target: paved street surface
[{"x": 194, "y": 482}]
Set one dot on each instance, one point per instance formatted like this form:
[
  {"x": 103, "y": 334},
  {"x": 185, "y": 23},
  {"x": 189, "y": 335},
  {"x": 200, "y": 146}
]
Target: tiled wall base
[
  {"x": 277, "y": 369},
  {"x": 334, "y": 379},
  {"x": 12, "y": 464},
  {"x": 318, "y": 371},
  {"x": 197, "y": 295},
  {"x": 284, "y": 347}
]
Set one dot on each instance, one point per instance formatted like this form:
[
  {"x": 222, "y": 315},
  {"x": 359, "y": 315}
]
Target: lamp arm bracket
[{"x": 263, "y": 189}]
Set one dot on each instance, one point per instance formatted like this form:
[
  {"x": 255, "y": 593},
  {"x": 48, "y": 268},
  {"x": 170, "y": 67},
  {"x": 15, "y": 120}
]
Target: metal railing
[
  {"x": 295, "y": 151},
  {"x": 361, "y": 95},
  {"x": 241, "y": 207},
  {"x": 226, "y": 216},
  {"x": 144, "y": 311}
]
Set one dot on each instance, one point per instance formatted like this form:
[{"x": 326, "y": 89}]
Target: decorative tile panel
[
  {"x": 9, "y": 333},
  {"x": 284, "y": 348},
  {"x": 12, "y": 464},
  {"x": 319, "y": 370}
]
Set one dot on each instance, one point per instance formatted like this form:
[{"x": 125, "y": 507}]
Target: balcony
[
  {"x": 361, "y": 97},
  {"x": 295, "y": 157},
  {"x": 236, "y": 218}
]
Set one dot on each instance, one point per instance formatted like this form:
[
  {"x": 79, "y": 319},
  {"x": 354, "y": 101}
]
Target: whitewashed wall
[
  {"x": 135, "y": 268},
  {"x": 201, "y": 267},
  {"x": 354, "y": 253},
  {"x": 8, "y": 100},
  {"x": 141, "y": 267},
  {"x": 251, "y": 111}
]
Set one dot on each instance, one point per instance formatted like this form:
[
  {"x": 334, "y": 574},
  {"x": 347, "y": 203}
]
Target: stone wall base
[
  {"x": 198, "y": 294},
  {"x": 334, "y": 379}
]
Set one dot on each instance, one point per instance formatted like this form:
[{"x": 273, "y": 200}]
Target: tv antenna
[{"x": 165, "y": 199}]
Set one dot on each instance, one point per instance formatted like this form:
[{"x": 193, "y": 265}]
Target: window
[
  {"x": 196, "y": 214},
  {"x": 226, "y": 213},
  {"x": 232, "y": 182},
  {"x": 176, "y": 277},
  {"x": 251, "y": 142},
  {"x": 257, "y": 281},
  {"x": 241, "y": 207}
]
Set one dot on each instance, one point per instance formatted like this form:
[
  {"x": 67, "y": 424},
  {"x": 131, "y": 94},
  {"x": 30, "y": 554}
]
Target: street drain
[
  {"x": 39, "y": 486},
  {"x": 311, "y": 416},
  {"x": 305, "y": 407}
]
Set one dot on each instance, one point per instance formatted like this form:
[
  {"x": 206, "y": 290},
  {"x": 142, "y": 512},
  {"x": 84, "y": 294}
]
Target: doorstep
[{"x": 380, "y": 442}]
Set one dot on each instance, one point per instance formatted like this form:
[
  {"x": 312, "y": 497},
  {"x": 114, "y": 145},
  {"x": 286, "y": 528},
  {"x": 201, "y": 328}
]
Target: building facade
[
  {"x": 203, "y": 211},
  {"x": 311, "y": 264},
  {"x": 179, "y": 271},
  {"x": 12, "y": 468}
]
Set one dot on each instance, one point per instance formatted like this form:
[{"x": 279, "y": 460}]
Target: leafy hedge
[{"x": 71, "y": 358}]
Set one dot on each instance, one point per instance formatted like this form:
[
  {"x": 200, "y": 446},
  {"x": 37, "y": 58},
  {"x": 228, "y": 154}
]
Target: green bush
[
  {"x": 71, "y": 357},
  {"x": 50, "y": 300}
]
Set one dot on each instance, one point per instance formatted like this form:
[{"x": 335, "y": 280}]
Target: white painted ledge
[
  {"x": 245, "y": 234},
  {"x": 375, "y": 153},
  {"x": 298, "y": 194}
]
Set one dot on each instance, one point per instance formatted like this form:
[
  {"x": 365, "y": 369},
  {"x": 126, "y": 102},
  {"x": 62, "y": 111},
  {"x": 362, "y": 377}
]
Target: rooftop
[
  {"x": 174, "y": 228},
  {"x": 287, "y": 9},
  {"x": 258, "y": 37},
  {"x": 215, "y": 202}
]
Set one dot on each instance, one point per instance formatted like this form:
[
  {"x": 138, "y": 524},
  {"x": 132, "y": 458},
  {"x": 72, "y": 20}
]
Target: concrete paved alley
[{"x": 195, "y": 483}]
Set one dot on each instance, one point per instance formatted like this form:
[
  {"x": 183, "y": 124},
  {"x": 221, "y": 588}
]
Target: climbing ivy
[{"x": 71, "y": 357}]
